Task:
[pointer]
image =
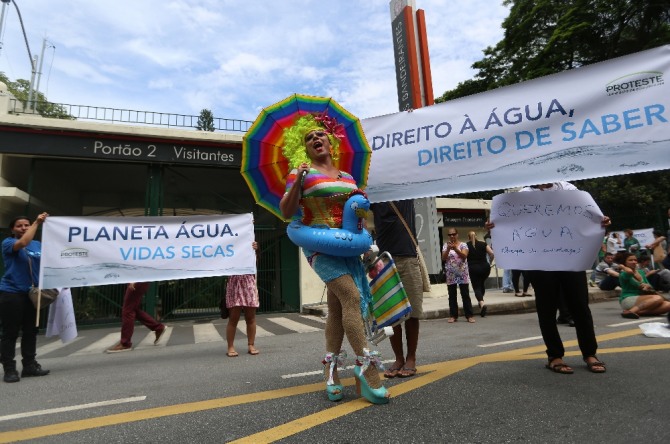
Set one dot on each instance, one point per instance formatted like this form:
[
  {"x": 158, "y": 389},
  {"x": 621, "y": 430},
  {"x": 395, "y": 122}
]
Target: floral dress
[
  {"x": 241, "y": 291},
  {"x": 455, "y": 267}
]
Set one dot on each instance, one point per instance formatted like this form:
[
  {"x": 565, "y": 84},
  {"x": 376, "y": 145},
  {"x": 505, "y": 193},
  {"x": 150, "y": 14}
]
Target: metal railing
[{"x": 114, "y": 115}]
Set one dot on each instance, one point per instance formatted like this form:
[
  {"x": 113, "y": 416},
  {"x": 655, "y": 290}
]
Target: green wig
[{"x": 294, "y": 140}]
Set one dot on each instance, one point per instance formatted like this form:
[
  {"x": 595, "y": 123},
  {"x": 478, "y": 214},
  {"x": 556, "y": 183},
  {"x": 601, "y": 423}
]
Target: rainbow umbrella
[{"x": 265, "y": 168}]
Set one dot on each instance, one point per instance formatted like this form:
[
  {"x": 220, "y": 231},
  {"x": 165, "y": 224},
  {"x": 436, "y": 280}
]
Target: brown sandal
[
  {"x": 596, "y": 366},
  {"x": 559, "y": 367}
]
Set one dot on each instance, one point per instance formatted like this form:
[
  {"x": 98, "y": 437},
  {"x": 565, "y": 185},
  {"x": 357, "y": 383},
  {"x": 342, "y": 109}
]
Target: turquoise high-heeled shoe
[
  {"x": 375, "y": 396},
  {"x": 335, "y": 391}
]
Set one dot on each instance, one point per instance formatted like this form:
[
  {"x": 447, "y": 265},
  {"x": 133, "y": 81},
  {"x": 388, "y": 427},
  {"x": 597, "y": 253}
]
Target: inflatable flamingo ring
[{"x": 350, "y": 240}]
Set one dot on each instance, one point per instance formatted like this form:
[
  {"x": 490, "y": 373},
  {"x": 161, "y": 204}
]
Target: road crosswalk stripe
[
  {"x": 314, "y": 318},
  {"x": 149, "y": 339},
  {"x": 293, "y": 325},
  {"x": 260, "y": 331},
  {"x": 55, "y": 345},
  {"x": 202, "y": 333},
  {"x": 206, "y": 333},
  {"x": 100, "y": 345}
]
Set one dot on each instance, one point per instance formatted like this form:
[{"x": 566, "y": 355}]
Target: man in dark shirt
[{"x": 392, "y": 236}]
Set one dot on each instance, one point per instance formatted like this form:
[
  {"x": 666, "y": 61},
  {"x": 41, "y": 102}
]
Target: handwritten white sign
[{"x": 546, "y": 230}]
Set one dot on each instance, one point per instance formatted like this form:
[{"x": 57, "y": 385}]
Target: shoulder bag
[{"x": 425, "y": 279}]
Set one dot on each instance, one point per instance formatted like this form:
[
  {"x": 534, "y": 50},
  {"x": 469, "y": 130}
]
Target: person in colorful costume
[{"x": 316, "y": 192}]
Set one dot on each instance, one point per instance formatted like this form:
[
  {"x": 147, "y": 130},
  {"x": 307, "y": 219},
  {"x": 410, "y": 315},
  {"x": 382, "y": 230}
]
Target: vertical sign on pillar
[
  {"x": 415, "y": 89},
  {"x": 404, "y": 50}
]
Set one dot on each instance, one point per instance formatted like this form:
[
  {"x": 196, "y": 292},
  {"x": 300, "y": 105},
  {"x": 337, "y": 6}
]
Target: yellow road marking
[{"x": 427, "y": 374}]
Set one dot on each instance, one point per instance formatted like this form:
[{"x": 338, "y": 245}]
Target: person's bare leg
[
  {"x": 412, "y": 335},
  {"x": 231, "y": 328},
  {"x": 661, "y": 309},
  {"x": 648, "y": 305},
  {"x": 396, "y": 345},
  {"x": 345, "y": 290},
  {"x": 250, "y": 319},
  {"x": 334, "y": 331}
]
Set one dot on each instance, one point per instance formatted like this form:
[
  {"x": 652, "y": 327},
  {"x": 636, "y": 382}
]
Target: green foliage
[
  {"x": 544, "y": 37},
  {"x": 205, "y": 121},
  {"x": 20, "y": 89},
  {"x": 632, "y": 201}
]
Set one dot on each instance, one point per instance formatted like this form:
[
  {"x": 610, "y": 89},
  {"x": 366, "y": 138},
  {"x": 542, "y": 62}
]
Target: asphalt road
[{"x": 482, "y": 382}]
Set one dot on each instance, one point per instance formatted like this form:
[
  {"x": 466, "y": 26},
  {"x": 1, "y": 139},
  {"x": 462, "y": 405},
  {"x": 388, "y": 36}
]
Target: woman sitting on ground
[{"x": 638, "y": 297}]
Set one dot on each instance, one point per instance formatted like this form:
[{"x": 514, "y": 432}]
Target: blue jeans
[{"x": 507, "y": 279}]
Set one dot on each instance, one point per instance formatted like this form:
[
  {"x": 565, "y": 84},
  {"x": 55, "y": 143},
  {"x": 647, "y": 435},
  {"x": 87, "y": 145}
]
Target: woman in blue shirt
[{"x": 21, "y": 254}]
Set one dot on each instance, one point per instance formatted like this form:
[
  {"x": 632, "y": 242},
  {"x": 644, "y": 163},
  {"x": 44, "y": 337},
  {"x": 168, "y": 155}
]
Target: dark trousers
[
  {"x": 548, "y": 286},
  {"x": 516, "y": 274},
  {"x": 17, "y": 314},
  {"x": 131, "y": 311},
  {"x": 478, "y": 275},
  {"x": 453, "y": 302},
  {"x": 609, "y": 283}
]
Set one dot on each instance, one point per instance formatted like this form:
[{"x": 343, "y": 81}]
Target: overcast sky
[{"x": 235, "y": 57}]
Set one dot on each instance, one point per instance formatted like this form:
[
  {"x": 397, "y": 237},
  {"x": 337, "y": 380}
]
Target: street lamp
[{"x": 2, "y": 18}]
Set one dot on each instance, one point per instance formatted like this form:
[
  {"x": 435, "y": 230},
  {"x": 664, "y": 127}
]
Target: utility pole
[
  {"x": 2, "y": 19},
  {"x": 41, "y": 59},
  {"x": 29, "y": 104}
]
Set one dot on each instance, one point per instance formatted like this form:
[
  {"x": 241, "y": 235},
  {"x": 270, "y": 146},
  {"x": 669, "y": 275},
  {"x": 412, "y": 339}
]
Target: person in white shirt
[{"x": 614, "y": 243}]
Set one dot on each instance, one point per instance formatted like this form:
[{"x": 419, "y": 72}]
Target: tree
[
  {"x": 544, "y": 37},
  {"x": 205, "y": 121},
  {"x": 44, "y": 108}
]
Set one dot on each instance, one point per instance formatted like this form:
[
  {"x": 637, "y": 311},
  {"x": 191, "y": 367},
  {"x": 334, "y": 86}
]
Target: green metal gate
[{"x": 176, "y": 190}]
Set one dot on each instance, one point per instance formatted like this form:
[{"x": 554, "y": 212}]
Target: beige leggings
[{"x": 344, "y": 317}]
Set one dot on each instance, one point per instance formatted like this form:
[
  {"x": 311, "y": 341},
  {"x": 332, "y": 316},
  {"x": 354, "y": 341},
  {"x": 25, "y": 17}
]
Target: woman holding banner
[
  {"x": 21, "y": 254},
  {"x": 242, "y": 295},
  {"x": 548, "y": 286}
]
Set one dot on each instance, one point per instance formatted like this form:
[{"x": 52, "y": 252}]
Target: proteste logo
[
  {"x": 71, "y": 253},
  {"x": 634, "y": 82}
]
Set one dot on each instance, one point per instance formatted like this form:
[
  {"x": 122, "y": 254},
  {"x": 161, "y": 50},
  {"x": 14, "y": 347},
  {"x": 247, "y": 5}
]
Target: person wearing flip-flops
[
  {"x": 242, "y": 294},
  {"x": 548, "y": 286},
  {"x": 394, "y": 237}
]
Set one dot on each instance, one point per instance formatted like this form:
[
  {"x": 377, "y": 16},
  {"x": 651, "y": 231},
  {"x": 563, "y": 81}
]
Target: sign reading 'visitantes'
[{"x": 126, "y": 149}]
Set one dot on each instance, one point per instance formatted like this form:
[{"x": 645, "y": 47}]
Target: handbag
[
  {"x": 425, "y": 279},
  {"x": 40, "y": 297}
]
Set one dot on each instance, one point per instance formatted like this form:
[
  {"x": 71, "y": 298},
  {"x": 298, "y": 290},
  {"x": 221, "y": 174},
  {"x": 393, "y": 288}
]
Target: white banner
[
  {"x": 552, "y": 230},
  {"x": 604, "y": 119},
  {"x": 83, "y": 251}
]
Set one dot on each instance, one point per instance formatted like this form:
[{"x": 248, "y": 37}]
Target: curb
[{"x": 521, "y": 306}]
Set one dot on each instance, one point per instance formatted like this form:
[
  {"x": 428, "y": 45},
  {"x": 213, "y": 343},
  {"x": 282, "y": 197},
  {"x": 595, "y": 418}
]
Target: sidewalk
[{"x": 436, "y": 303}]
